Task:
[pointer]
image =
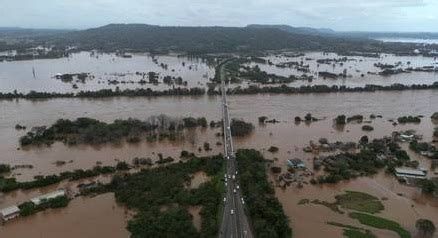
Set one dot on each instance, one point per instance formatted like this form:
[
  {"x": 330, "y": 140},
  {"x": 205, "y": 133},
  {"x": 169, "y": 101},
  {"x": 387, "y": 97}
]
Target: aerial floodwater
[{"x": 102, "y": 216}]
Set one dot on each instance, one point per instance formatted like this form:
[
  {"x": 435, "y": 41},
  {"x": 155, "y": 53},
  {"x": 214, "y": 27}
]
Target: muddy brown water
[
  {"x": 18, "y": 75},
  {"x": 355, "y": 67},
  {"x": 84, "y": 217},
  {"x": 306, "y": 220}
]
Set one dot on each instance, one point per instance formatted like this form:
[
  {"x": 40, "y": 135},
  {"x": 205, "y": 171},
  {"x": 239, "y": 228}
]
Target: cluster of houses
[{"x": 12, "y": 212}]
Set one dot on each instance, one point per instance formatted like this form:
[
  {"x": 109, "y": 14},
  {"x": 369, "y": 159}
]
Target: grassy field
[
  {"x": 359, "y": 201},
  {"x": 353, "y": 231},
  {"x": 380, "y": 223}
]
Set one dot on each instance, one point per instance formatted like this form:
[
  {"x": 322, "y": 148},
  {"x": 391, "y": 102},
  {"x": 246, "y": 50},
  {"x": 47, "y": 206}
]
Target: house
[
  {"x": 296, "y": 163},
  {"x": 9, "y": 213},
  {"x": 38, "y": 200},
  {"x": 403, "y": 173}
]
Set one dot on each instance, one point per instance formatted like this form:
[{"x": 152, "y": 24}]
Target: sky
[{"x": 341, "y": 15}]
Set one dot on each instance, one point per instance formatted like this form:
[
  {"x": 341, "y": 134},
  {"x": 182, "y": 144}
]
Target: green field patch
[{"x": 380, "y": 223}]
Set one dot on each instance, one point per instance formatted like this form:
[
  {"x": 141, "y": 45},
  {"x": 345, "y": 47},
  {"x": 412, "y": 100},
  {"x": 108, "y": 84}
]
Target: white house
[
  {"x": 39, "y": 199},
  {"x": 9, "y": 213}
]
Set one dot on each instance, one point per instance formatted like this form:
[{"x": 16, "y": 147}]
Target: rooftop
[
  {"x": 9, "y": 210},
  {"x": 58, "y": 193}
]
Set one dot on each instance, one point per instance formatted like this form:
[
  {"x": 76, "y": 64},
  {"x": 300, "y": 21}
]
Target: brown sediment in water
[
  {"x": 308, "y": 220},
  {"x": 99, "y": 216}
]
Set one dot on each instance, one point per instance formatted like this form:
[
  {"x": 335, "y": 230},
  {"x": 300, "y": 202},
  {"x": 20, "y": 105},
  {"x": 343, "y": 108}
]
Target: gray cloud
[{"x": 378, "y": 15}]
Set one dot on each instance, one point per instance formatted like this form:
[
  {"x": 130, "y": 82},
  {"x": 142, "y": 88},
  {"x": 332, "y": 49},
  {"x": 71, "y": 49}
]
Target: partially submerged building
[
  {"x": 404, "y": 173},
  {"x": 40, "y": 199},
  {"x": 296, "y": 164},
  {"x": 9, "y": 213}
]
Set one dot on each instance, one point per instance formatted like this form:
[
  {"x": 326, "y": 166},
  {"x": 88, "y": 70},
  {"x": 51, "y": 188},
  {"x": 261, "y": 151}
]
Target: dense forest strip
[
  {"x": 265, "y": 211},
  {"x": 94, "y": 132},
  {"x": 282, "y": 89},
  {"x": 149, "y": 191}
]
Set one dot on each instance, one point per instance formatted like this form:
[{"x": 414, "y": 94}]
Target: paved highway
[{"x": 234, "y": 221}]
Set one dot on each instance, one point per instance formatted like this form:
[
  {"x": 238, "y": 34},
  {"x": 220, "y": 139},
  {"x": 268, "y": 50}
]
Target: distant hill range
[
  {"x": 142, "y": 37},
  {"x": 299, "y": 30},
  {"x": 199, "y": 40}
]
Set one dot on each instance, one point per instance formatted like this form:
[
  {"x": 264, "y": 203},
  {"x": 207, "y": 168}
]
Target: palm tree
[{"x": 425, "y": 227}]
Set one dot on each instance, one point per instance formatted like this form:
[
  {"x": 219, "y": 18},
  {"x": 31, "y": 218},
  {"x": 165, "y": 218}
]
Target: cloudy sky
[{"x": 343, "y": 15}]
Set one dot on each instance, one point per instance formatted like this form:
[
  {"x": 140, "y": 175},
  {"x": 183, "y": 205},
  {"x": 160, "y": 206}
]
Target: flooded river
[
  {"x": 360, "y": 70},
  {"x": 18, "y": 75},
  {"x": 84, "y": 217},
  {"x": 101, "y": 217}
]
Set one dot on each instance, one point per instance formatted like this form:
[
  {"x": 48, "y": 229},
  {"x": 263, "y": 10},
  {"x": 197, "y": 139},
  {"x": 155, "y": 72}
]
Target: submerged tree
[{"x": 425, "y": 227}]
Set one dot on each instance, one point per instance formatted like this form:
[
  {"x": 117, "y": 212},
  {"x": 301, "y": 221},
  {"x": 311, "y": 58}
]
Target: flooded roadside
[
  {"x": 104, "y": 68},
  {"x": 288, "y": 136},
  {"x": 84, "y": 217}
]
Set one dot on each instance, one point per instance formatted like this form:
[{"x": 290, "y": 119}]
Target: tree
[
  {"x": 340, "y": 120},
  {"x": 262, "y": 119},
  {"x": 425, "y": 227}
]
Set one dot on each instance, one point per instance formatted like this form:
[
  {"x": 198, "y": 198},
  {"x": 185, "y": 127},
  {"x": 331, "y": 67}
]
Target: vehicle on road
[{"x": 232, "y": 211}]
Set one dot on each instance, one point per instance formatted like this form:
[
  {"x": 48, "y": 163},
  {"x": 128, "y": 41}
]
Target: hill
[
  {"x": 142, "y": 37},
  {"x": 299, "y": 30}
]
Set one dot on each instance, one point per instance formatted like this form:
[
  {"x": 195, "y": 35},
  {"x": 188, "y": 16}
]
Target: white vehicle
[
  {"x": 243, "y": 202},
  {"x": 229, "y": 176},
  {"x": 225, "y": 175},
  {"x": 234, "y": 190},
  {"x": 226, "y": 180},
  {"x": 226, "y": 184},
  {"x": 234, "y": 176},
  {"x": 232, "y": 211},
  {"x": 225, "y": 200},
  {"x": 237, "y": 187},
  {"x": 236, "y": 172},
  {"x": 228, "y": 128}
]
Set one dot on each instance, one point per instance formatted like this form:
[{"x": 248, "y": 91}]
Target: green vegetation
[
  {"x": 332, "y": 206},
  {"x": 91, "y": 131},
  {"x": 409, "y": 119},
  {"x": 241, "y": 128},
  {"x": 104, "y": 93},
  {"x": 359, "y": 201},
  {"x": 425, "y": 227},
  {"x": 252, "y": 89},
  {"x": 350, "y": 233},
  {"x": 340, "y": 120},
  {"x": 5, "y": 168},
  {"x": 380, "y": 223},
  {"x": 367, "y": 128},
  {"x": 149, "y": 190},
  {"x": 262, "y": 119},
  {"x": 356, "y": 118},
  {"x": 284, "y": 89},
  {"x": 429, "y": 186},
  {"x": 265, "y": 211},
  {"x": 199, "y": 40},
  {"x": 351, "y": 200},
  {"x": 353, "y": 231},
  {"x": 273, "y": 149},
  {"x": 29, "y": 208},
  {"x": 348, "y": 165},
  {"x": 10, "y": 184}
]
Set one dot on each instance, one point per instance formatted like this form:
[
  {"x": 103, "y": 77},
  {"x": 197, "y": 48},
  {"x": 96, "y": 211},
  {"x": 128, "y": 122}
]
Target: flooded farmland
[{"x": 101, "y": 214}]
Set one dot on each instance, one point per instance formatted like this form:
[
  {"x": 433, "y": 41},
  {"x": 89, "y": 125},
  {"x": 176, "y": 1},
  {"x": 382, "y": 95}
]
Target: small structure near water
[
  {"x": 40, "y": 199},
  {"x": 9, "y": 213}
]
